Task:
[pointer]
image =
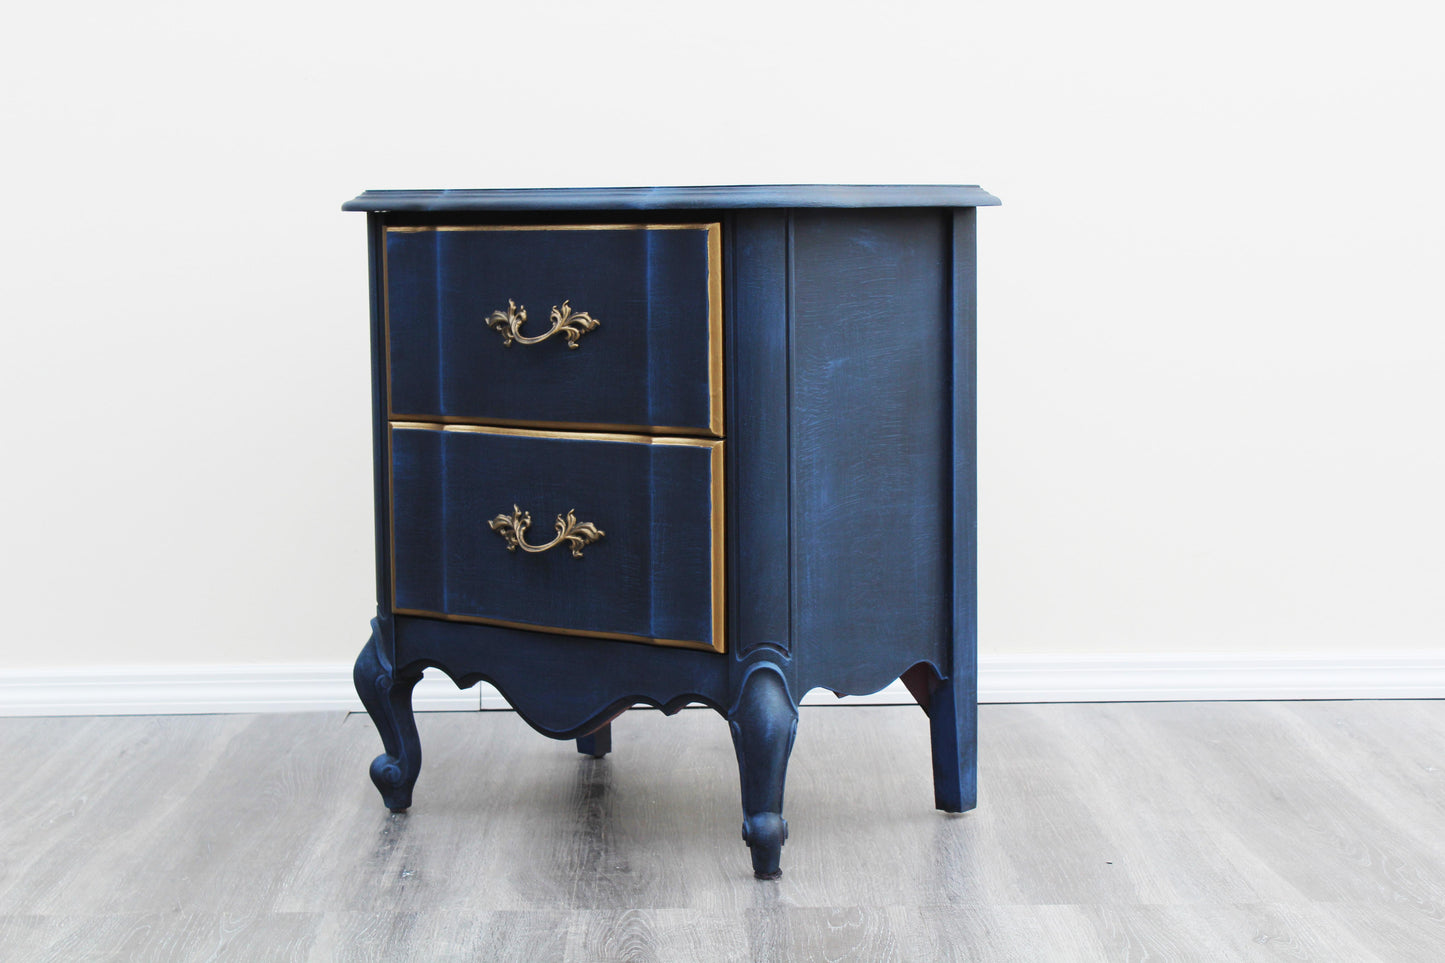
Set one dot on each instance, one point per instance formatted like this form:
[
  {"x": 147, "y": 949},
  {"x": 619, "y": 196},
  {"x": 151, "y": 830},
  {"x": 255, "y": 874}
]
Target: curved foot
[
  {"x": 765, "y": 834},
  {"x": 387, "y": 698},
  {"x": 764, "y": 722}
]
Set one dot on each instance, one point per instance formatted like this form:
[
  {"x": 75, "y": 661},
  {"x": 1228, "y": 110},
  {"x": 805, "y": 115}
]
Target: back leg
[
  {"x": 597, "y": 743},
  {"x": 952, "y": 707}
]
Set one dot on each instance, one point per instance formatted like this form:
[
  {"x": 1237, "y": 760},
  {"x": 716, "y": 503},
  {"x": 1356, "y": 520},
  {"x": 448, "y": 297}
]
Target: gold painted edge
[
  {"x": 565, "y": 435},
  {"x": 422, "y": 228},
  {"x": 715, "y": 328},
  {"x": 719, "y": 552},
  {"x": 717, "y": 524},
  {"x": 553, "y": 630},
  {"x": 582, "y": 426}
]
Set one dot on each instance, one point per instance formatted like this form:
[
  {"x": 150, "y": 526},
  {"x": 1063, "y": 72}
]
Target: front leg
[
  {"x": 387, "y": 697},
  {"x": 764, "y": 721}
]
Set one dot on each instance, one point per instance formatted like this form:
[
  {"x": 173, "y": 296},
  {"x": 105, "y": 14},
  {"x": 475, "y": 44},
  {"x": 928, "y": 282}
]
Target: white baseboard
[
  {"x": 1207, "y": 678},
  {"x": 188, "y": 689},
  {"x": 166, "y": 690}
]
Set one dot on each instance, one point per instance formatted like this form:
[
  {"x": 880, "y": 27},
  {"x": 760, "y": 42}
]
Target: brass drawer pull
[
  {"x": 572, "y": 325},
  {"x": 513, "y": 528}
]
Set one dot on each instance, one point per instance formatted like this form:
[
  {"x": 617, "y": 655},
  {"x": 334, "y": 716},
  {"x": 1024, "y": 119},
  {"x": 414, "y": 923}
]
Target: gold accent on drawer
[
  {"x": 513, "y": 528},
  {"x": 572, "y": 325},
  {"x": 665, "y": 226},
  {"x": 568, "y": 435},
  {"x": 398, "y": 418}
]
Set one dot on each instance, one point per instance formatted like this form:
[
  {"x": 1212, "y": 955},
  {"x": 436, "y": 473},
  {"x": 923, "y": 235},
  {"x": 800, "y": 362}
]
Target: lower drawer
[{"x": 611, "y": 536}]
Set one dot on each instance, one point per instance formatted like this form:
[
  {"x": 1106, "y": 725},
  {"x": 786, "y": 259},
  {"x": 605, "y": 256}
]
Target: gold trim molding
[
  {"x": 566, "y": 435},
  {"x": 571, "y": 426},
  {"x": 662, "y": 226}
]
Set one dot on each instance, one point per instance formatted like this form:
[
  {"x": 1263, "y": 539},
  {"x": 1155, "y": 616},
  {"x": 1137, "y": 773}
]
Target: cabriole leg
[
  {"x": 763, "y": 722},
  {"x": 387, "y": 697}
]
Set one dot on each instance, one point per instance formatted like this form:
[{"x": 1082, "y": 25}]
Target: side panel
[{"x": 871, "y": 444}]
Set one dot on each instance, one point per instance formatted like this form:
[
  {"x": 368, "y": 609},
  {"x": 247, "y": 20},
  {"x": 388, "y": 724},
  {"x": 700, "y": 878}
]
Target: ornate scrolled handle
[
  {"x": 565, "y": 321},
  {"x": 576, "y": 534}
]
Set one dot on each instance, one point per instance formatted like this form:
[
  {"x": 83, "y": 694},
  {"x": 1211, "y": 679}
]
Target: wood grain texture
[
  {"x": 757, "y": 463},
  {"x": 1186, "y": 831},
  {"x": 545, "y": 677},
  {"x": 872, "y": 509}
]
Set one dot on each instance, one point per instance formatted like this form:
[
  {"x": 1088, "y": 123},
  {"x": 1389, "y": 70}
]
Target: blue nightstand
[{"x": 673, "y": 445}]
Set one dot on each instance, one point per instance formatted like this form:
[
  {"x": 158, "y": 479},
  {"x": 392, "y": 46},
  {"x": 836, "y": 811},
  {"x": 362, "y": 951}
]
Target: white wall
[{"x": 1212, "y": 342}]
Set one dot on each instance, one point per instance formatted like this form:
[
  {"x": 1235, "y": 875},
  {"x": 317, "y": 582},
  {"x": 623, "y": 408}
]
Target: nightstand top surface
[{"x": 677, "y": 198}]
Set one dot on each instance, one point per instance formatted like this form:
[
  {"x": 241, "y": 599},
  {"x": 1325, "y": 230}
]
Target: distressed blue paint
[
  {"x": 757, "y": 463},
  {"x": 764, "y": 721},
  {"x": 385, "y": 691},
  {"x": 563, "y": 686},
  {"x": 871, "y": 508},
  {"x": 418, "y": 529},
  {"x": 850, "y": 437},
  {"x": 412, "y": 286},
  {"x": 648, "y": 288}
]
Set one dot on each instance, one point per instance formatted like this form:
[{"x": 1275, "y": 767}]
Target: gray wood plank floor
[{"x": 1150, "y": 831}]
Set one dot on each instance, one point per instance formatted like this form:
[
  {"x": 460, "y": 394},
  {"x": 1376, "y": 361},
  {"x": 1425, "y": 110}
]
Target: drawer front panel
[
  {"x": 652, "y": 359},
  {"x": 650, "y": 564}
]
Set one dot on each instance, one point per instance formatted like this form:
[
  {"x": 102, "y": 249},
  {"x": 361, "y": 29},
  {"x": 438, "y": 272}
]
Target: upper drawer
[{"x": 637, "y": 310}]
